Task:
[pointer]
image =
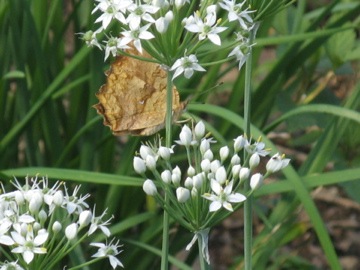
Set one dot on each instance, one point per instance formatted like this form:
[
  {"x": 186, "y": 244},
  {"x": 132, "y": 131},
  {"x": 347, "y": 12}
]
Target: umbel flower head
[
  {"x": 41, "y": 223},
  {"x": 200, "y": 32},
  {"x": 203, "y": 192}
]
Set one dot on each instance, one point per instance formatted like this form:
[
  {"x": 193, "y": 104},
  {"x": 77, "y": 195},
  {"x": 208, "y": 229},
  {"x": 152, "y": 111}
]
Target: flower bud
[
  {"x": 235, "y": 160},
  {"x": 220, "y": 175},
  {"x": 149, "y": 187},
  {"x": 175, "y": 179},
  {"x": 198, "y": 181},
  {"x": 215, "y": 165},
  {"x": 169, "y": 16},
  {"x": 165, "y": 152},
  {"x": 185, "y": 136},
  {"x": 150, "y": 163},
  {"x": 244, "y": 173},
  {"x": 166, "y": 176},
  {"x": 35, "y": 203},
  {"x": 19, "y": 198},
  {"x": 42, "y": 216},
  {"x": 199, "y": 130},
  {"x": 224, "y": 153},
  {"x": 208, "y": 155},
  {"x": 71, "y": 231},
  {"x": 36, "y": 227},
  {"x": 191, "y": 171},
  {"x": 139, "y": 165},
  {"x": 194, "y": 192},
  {"x": 56, "y": 227},
  {"x": 58, "y": 198},
  {"x": 256, "y": 181},
  {"x": 161, "y": 25},
  {"x": 254, "y": 160},
  {"x": 188, "y": 183},
  {"x": 239, "y": 143},
  {"x": 182, "y": 194},
  {"x": 235, "y": 170},
  {"x": 205, "y": 165},
  {"x": 204, "y": 146},
  {"x": 85, "y": 218},
  {"x": 145, "y": 151}
]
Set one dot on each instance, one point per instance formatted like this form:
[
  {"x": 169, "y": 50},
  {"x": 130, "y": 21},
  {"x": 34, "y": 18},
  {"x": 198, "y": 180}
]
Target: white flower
[
  {"x": 207, "y": 28},
  {"x": 165, "y": 152},
  {"x": 145, "y": 151},
  {"x": 149, "y": 187},
  {"x": 185, "y": 136},
  {"x": 96, "y": 222},
  {"x": 256, "y": 181},
  {"x": 113, "y": 45},
  {"x": 90, "y": 38},
  {"x": 254, "y": 160},
  {"x": 244, "y": 173},
  {"x": 140, "y": 12},
  {"x": 111, "y": 9},
  {"x": 220, "y": 175},
  {"x": 224, "y": 153},
  {"x": 85, "y": 218},
  {"x": 11, "y": 266},
  {"x": 277, "y": 163},
  {"x": 136, "y": 35},
  {"x": 222, "y": 197},
  {"x": 186, "y": 65},
  {"x": 150, "y": 162},
  {"x": 180, "y": 3},
  {"x": 239, "y": 143},
  {"x": 236, "y": 12},
  {"x": 162, "y": 25},
  {"x": 29, "y": 245},
  {"x": 257, "y": 147},
  {"x": 241, "y": 53},
  {"x": 73, "y": 203},
  {"x": 199, "y": 130},
  {"x": 166, "y": 176},
  {"x": 110, "y": 251}
]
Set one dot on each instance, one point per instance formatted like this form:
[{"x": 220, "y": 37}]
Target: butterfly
[{"x": 133, "y": 100}]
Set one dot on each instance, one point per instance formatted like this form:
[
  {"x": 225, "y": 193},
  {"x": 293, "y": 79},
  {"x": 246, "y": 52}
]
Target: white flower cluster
[
  {"x": 216, "y": 180},
  {"x": 170, "y": 30},
  {"x": 38, "y": 224}
]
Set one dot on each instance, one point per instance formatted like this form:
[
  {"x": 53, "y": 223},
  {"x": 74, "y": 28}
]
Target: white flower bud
[
  {"x": 161, "y": 25},
  {"x": 139, "y": 165},
  {"x": 58, "y": 198},
  {"x": 194, "y": 192},
  {"x": 56, "y": 227},
  {"x": 211, "y": 9},
  {"x": 36, "y": 227},
  {"x": 224, "y": 153},
  {"x": 256, "y": 181},
  {"x": 149, "y": 187},
  {"x": 235, "y": 159},
  {"x": 145, "y": 151},
  {"x": 169, "y": 16},
  {"x": 165, "y": 152},
  {"x": 23, "y": 229},
  {"x": 177, "y": 171},
  {"x": 198, "y": 181},
  {"x": 254, "y": 160},
  {"x": 277, "y": 163},
  {"x": 188, "y": 183},
  {"x": 42, "y": 216},
  {"x": 71, "y": 231},
  {"x": 150, "y": 163},
  {"x": 182, "y": 194},
  {"x": 239, "y": 143},
  {"x": 236, "y": 170},
  {"x": 35, "y": 203},
  {"x": 204, "y": 146},
  {"x": 220, "y": 175},
  {"x": 179, "y": 3},
  {"x": 215, "y": 165},
  {"x": 19, "y": 197},
  {"x": 244, "y": 173},
  {"x": 191, "y": 171},
  {"x": 205, "y": 165},
  {"x": 166, "y": 176},
  {"x": 185, "y": 136},
  {"x": 199, "y": 130},
  {"x": 208, "y": 155},
  {"x": 85, "y": 218},
  {"x": 158, "y": 3},
  {"x": 175, "y": 179}
]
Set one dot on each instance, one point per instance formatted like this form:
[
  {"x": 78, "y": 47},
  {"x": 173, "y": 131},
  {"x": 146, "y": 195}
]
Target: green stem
[
  {"x": 168, "y": 126},
  {"x": 248, "y": 202},
  {"x": 203, "y": 264}
]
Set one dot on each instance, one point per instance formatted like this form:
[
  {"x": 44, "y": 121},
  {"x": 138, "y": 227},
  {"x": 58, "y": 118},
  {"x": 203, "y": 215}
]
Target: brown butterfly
[{"x": 133, "y": 100}]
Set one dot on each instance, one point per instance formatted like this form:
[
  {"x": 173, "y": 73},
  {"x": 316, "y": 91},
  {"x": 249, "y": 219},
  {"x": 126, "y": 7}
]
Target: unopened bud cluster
[{"x": 214, "y": 176}]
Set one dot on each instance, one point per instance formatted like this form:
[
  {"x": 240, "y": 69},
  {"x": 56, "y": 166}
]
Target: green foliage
[{"x": 48, "y": 80}]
